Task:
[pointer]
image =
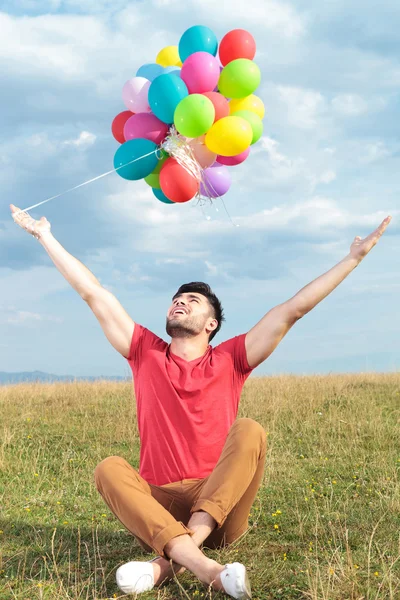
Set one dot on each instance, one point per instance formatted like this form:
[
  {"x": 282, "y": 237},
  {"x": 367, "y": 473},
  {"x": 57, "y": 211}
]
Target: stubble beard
[{"x": 178, "y": 328}]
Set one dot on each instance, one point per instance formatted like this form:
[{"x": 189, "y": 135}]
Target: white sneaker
[
  {"x": 235, "y": 581},
  {"x": 135, "y": 577}
]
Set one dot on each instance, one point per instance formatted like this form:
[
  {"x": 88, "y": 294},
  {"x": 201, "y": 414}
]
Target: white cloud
[
  {"x": 303, "y": 105},
  {"x": 85, "y": 139},
  {"x": 35, "y": 283},
  {"x": 354, "y": 105},
  {"x": 23, "y": 317},
  {"x": 212, "y": 270}
]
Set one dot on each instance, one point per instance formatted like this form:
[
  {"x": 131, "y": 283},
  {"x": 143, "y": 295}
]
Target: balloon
[
  {"x": 145, "y": 125},
  {"x": 238, "y": 43},
  {"x": 194, "y": 115},
  {"x": 231, "y": 161},
  {"x": 165, "y": 93},
  {"x": 159, "y": 194},
  {"x": 201, "y": 153},
  {"x": 255, "y": 123},
  {"x": 197, "y": 39},
  {"x": 169, "y": 57},
  {"x": 136, "y": 149},
  {"x": 221, "y": 104},
  {"x": 177, "y": 183},
  {"x": 118, "y": 124},
  {"x": 239, "y": 78},
  {"x": 229, "y": 136},
  {"x": 160, "y": 163},
  {"x": 175, "y": 70},
  {"x": 217, "y": 181},
  {"x": 135, "y": 94},
  {"x": 200, "y": 72},
  {"x": 153, "y": 180},
  {"x": 252, "y": 102},
  {"x": 150, "y": 71}
]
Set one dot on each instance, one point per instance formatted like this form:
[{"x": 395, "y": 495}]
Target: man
[{"x": 200, "y": 467}]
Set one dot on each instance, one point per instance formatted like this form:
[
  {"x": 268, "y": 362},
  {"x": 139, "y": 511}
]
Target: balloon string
[{"x": 86, "y": 182}]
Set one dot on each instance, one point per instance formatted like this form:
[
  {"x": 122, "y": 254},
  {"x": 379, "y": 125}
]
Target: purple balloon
[
  {"x": 145, "y": 125},
  {"x": 231, "y": 161},
  {"x": 217, "y": 181}
]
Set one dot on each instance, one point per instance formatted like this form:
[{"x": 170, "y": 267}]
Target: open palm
[
  {"x": 360, "y": 247},
  {"x": 36, "y": 228}
]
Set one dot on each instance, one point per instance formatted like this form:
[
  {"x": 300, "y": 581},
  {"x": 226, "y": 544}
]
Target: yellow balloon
[
  {"x": 169, "y": 57},
  {"x": 252, "y": 102},
  {"x": 229, "y": 136}
]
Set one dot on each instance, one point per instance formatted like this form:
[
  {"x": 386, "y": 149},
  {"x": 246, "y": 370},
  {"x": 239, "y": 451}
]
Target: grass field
[{"x": 325, "y": 525}]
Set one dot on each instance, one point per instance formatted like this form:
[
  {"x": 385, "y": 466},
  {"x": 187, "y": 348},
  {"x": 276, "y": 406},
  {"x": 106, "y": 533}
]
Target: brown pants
[{"x": 156, "y": 514}]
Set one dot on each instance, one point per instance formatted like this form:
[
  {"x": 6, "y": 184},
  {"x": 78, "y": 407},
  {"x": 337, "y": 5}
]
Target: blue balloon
[
  {"x": 197, "y": 39},
  {"x": 165, "y": 93},
  {"x": 159, "y": 194},
  {"x": 150, "y": 71},
  {"x": 175, "y": 70},
  {"x": 136, "y": 149}
]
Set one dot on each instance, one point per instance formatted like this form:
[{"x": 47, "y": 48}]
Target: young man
[{"x": 200, "y": 467}]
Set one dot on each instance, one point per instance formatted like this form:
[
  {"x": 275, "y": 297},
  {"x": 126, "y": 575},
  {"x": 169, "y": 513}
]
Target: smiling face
[{"x": 189, "y": 315}]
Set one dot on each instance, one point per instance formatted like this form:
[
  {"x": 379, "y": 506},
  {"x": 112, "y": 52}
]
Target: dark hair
[{"x": 204, "y": 289}]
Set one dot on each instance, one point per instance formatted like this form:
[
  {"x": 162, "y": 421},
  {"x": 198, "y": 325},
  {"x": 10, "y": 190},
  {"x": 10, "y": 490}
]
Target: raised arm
[
  {"x": 264, "y": 337},
  {"x": 115, "y": 322}
]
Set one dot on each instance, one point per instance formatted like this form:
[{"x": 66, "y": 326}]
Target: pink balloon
[
  {"x": 200, "y": 72},
  {"x": 202, "y": 154},
  {"x": 145, "y": 125},
  {"x": 231, "y": 161},
  {"x": 135, "y": 94}
]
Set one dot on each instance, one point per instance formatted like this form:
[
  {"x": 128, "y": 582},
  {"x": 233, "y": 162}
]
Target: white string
[{"x": 86, "y": 182}]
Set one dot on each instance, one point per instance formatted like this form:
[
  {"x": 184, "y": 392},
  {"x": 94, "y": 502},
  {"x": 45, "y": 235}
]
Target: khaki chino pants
[{"x": 156, "y": 514}]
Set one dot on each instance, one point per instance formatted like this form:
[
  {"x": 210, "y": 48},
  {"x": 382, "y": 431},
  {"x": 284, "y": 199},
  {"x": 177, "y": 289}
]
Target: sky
[{"x": 326, "y": 169}]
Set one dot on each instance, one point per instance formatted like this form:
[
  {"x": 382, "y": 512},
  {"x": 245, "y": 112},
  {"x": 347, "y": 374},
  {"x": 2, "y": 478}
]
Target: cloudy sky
[{"x": 326, "y": 169}]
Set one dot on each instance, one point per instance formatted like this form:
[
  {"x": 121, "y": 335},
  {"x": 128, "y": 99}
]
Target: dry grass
[{"x": 325, "y": 525}]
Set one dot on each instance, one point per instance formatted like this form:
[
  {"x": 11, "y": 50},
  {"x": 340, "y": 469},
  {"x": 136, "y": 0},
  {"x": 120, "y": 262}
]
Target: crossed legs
[{"x": 218, "y": 515}]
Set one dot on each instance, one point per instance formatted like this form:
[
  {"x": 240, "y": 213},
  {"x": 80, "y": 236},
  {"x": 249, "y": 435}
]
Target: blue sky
[{"x": 326, "y": 169}]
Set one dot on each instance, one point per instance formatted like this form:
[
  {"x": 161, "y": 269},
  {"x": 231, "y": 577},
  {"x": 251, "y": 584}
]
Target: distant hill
[{"x": 39, "y": 376}]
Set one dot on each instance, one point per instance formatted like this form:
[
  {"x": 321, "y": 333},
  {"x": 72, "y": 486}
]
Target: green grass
[{"x": 325, "y": 524}]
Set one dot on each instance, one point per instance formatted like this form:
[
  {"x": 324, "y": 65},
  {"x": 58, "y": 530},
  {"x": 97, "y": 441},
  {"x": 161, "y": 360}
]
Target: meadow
[{"x": 325, "y": 524}]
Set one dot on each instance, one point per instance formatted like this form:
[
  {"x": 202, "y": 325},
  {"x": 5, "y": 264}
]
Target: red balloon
[
  {"x": 231, "y": 161},
  {"x": 176, "y": 183},
  {"x": 221, "y": 104},
  {"x": 118, "y": 125},
  {"x": 238, "y": 43}
]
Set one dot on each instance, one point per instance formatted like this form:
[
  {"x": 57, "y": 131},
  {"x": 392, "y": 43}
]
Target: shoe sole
[{"x": 247, "y": 587}]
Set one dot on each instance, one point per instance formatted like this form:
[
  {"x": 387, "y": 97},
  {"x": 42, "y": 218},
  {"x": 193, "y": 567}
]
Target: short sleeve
[
  {"x": 237, "y": 349},
  {"x": 142, "y": 341}
]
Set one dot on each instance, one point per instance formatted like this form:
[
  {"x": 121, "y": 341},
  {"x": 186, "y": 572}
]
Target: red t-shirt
[{"x": 184, "y": 408}]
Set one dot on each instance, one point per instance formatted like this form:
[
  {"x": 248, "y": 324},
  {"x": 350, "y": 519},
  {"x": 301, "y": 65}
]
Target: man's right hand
[{"x": 35, "y": 228}]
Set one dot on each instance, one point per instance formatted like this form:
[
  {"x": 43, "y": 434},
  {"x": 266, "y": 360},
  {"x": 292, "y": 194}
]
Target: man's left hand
[{"x": 360, "y": 248}]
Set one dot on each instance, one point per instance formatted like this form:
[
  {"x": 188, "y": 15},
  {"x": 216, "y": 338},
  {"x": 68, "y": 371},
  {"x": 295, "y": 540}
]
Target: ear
[{"x": 211, "y": 325}]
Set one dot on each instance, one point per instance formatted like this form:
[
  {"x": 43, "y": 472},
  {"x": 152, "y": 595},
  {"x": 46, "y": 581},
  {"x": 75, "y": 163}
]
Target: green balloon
[
  {"x": 194, "y": 115},
  {"x": 239, "y": 78},
  {"x": 160, "y": 163},
  {"x": 153, "y": 180},
  {"x": 255, "y": 123}
]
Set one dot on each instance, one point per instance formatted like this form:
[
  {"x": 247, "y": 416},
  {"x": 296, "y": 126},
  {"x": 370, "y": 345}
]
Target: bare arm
[
  {"x": 264, "y": 337},
  {"x": 115, "y": 322}
]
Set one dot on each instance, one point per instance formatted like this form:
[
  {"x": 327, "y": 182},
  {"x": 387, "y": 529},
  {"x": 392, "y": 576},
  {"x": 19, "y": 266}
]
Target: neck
[{"x": 189, "y": 348}]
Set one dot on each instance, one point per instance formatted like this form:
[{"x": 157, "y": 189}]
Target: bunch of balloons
[{"x": 190, "y": 116}]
